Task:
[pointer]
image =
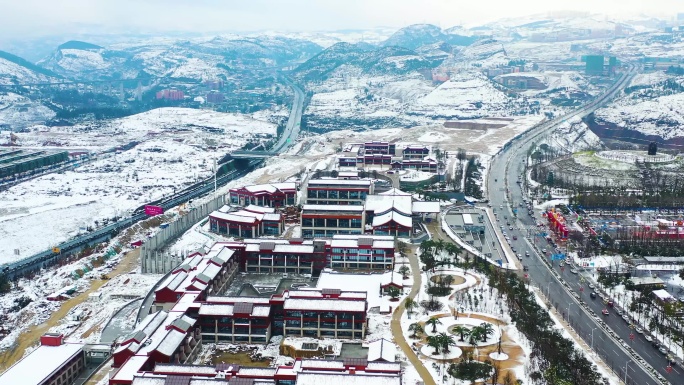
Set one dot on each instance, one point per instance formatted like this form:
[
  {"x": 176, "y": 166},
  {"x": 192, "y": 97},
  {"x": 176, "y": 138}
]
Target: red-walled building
[
  {"x": 246, "y": 223},
  {"x": 338, "y": 191},
  {"x": 268, "y": 195}
]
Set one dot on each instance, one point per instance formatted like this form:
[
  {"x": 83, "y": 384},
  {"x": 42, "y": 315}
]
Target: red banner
[{"x": 153, "y": 210}]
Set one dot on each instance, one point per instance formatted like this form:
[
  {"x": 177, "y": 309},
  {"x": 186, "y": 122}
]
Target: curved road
[{"x": 598, "y": 331}]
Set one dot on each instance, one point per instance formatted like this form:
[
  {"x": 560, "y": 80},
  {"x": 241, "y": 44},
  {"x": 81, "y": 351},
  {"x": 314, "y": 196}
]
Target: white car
[{"x": 639, "y": 330}]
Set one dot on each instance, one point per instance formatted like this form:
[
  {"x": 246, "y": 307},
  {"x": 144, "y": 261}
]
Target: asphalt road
[{"x": 505, "y": 170}]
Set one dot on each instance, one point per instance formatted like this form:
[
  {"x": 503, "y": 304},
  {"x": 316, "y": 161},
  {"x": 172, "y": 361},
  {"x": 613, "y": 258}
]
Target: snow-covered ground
[{"x": 177, "y": 147}]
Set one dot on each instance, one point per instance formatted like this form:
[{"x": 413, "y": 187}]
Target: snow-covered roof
[
  {"x": 222, "y": 299},
  {"x": 260, "y": 209},
  {"x": 260, "y": 372},
  {"x": 232, "y": 217},
  {"x": 383, "y": 366},
  {"x": 285, "y": 186},
  {"x": 130, "y": 368},
  {"x": 249, "y": 214},
  {"x": 339, "y": 182},
  {"x": 382, "y": 349},
  {"x": 210, "y": 271},
  {"x": 645, "y": 281},
  {"x": 346, "y": 379},
  {"x": 391, "y": 277},
  {"x": 305, "y": 249},
  {"x": 190, "y": 369},
  {"x": 171, "y": 341},
  {"x": 322, "y": 364},
  {"x": 425, "y": 207},
  {"x": 663, "y": 295},
  {"x": 380, "y": 204},
  {"x": 272, "y": 217},
  {"x": 261, "y": 188},
  {"x": 256, "y": 310},
  {"x": 173, "y": 282},
  {"x": 394, "y": 191},
  {"x": 392, "y": 216},
  {"x": 335, "y": 304},
  {"x": 40, "y": 364}
]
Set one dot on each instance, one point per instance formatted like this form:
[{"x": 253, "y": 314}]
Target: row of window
[
  {"x": 348, "y": 251},
  {"x": 322, "y": 325},
  {"x": 323, "y": 314},
  {"x": 355, "y": 223},
  {"x": 317, "y": 233},
  {"x": 334, "y": 194}
]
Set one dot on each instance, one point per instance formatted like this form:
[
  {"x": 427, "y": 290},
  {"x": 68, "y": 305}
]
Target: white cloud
[{"x": 35, "y": 17}]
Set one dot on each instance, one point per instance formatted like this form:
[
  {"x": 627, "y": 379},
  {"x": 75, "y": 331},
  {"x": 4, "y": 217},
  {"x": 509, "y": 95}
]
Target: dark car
[
  {"x": 592, "y": 295},
  {"x": 525, "y": 268}
]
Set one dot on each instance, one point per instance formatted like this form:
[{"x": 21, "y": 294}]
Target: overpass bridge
[{"x": 243, "y": 154}]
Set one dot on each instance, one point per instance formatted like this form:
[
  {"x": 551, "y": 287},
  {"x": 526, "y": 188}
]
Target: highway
[
  {"x": 43, "y": 259},
  {"x": 597, "y": 330}
]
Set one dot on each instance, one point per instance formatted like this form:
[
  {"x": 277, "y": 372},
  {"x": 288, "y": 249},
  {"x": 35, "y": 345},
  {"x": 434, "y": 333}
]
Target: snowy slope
[
  {"x": 176, "y": 147},
  {"x": 465, "y": 95},
  {"x": 19, "y": 112},
  {"x": 662, "y": 116},
  {"x": 15, "y": 70}
]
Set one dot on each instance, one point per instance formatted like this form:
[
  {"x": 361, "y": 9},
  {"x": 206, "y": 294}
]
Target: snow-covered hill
[
  {"x": 20, "y": 112},
  {"x": 196, "y": 59},
  {"x": 417, "y": 35},
  {"x": 465, "y": 95},
  {"x": 662, "y": 117},
  {"x": 15, "y": 70}
]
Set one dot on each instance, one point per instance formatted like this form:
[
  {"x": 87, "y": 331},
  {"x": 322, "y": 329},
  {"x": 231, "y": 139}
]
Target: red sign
[
  {"x": 137, "y": 243},
  {"x": 153, "y": 210},
  {"x": 631, "y": 336},
  {"x": 668, "y": 369}
]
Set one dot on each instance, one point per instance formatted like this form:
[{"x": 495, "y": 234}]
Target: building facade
[
  {"x": 338, "y": 191},
  {"x": 246, "y": 223},
  {"x": 321, "y": 221},
  {"x": 267, "y": 195}
]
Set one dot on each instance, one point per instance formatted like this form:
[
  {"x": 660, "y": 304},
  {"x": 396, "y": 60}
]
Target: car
[
  {"x": 648, "y": 338},
  {"x": 519, "y": 256},
  {"x": 515, "y": 237},
  {"x": 574, "y": 271},
  {"x": 508, "y": 223},
  {"x": 513, "y": 249},
  {"x": 526, "y": 268},
  {"x": 618, "y": 311},
  {"x": 605, "y": 312},
  {"x": 544, "y": 251},
  {"x": 655, "y": 344},
  {"x": 511, "y": 228},
  {"x": 592, "y": 295},
  {"x": 625, "y": 317},
  {"x": 662, "y": 349},
  {"x": 502, "y": 227},
  {"x": 591, "y": 286},
  {"x": 639, "y": 330}
]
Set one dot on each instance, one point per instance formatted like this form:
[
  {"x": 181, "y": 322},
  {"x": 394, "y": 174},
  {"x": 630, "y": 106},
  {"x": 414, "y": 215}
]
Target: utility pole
[{"x": 215, "y": 174}]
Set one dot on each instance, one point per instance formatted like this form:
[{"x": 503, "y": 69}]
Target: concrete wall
[{"x": 155, "y": 261}]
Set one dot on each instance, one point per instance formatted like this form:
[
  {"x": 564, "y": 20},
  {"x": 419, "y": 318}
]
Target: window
[
  {"x": 319, "y": 222},
  {"x": 343, "y": 223},
  {"x": 344, "y": 194},
  {"x": 356, "y": 223},
  {"x": 331, "y": 222}
]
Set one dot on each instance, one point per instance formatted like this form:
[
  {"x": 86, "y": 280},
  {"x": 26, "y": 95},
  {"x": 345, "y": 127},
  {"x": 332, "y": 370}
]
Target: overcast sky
[{"x": 40, "y": 17}]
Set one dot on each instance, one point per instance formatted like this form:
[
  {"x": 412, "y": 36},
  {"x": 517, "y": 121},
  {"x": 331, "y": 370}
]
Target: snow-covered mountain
[
  {"x": 195, "y": 59},
  {"x": 366, "y": 59},
  {"x": 15, "y": 70},
  {"x": 417, "y": 35}
]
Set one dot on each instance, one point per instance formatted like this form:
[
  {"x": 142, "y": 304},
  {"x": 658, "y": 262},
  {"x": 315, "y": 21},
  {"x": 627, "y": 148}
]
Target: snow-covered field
[
  {"x": 177, "y": 148},
  {"x": 20, "y": 112}
]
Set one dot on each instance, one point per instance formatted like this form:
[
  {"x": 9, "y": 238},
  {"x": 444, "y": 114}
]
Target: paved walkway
[{"x": 396, "y": 324}]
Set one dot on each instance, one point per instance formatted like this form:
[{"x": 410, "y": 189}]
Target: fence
[{"x": 153, "y": 259}]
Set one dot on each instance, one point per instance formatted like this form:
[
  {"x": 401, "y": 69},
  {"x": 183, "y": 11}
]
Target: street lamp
[
  {"x": 626, "y": 363},
  {"x": 568, "y": 310},
  {"x": 592, "y": 338}
]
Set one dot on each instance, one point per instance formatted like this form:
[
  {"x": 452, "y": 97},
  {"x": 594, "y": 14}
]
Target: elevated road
[{"x": 630, "y": 362}]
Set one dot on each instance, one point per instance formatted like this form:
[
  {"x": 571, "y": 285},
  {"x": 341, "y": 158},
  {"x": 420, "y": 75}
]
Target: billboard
[{"x": 153, "y": 210}]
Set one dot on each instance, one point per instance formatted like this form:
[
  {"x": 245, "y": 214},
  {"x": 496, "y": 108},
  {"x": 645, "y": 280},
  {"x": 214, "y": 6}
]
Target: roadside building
[
  {"x": 246, "y": 223},
  {"x": 236, "y": 319},
  {"x": 338, "y": 191},
  {"x": 322, "y": 221},
  {"x": 323, "y": 313},
  {"x": 54, "y": 362},
  {"x": 268, "y": 195}
]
